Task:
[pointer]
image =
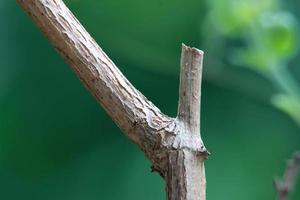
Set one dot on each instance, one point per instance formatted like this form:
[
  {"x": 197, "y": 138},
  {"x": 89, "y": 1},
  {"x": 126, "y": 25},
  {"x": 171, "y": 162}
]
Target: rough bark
[
  {"x": 173, "y": 145},
  {"x": 186, "y": 175}
]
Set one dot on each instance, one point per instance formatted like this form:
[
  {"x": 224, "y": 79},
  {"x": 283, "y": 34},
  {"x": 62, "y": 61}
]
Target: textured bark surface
[
  {"x": 173, "y": 145},
  {"x": 186, "y": 175}
]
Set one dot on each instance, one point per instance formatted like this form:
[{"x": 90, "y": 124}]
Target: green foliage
[
  {"x": 233, "y": 16},
  {"x": 279, "y": 34},
  {"x": 270, "y": 38},
  {"x": 288, "y": 104}
]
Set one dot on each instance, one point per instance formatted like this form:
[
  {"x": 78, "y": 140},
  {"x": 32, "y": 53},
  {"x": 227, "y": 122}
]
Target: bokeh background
[{"x": 56, "y": 143}]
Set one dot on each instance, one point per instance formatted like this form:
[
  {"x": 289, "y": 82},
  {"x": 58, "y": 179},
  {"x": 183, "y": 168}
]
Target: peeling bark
[{"x": 173, "y": 145}]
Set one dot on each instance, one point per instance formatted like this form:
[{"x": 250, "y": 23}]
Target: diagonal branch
[
  {"x": 125, "y": 104},
  {"x": 173, "y": 145}
]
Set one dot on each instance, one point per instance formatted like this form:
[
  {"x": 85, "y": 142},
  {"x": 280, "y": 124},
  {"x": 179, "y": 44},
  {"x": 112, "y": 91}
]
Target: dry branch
[
  {"x": 173, "y": 145},
  {"x": 285, "y": 186}
]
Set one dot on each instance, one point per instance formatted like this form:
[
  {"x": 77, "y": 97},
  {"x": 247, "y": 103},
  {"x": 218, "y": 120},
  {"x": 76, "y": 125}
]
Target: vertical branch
[
  {"x": 190, "y": 87},
  {"x": 186, "y": 174}
]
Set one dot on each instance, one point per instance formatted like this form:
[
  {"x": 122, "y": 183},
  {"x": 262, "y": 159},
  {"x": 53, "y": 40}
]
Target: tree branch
[
  {"x": 189, "y": 89},
  {"x": 285, "y": 186},
  {"x": 186, "y": 161},
  {"x": 173, "y": 145}
]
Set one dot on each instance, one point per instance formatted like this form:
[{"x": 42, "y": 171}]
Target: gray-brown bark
[
  {"x": 173, "y": 145},
  {"x": 285, "y": 185},
  {"x": 186, "y": 160}
]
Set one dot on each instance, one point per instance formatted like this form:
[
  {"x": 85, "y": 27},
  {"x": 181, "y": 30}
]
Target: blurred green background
[{"x": 56, "y": 143}]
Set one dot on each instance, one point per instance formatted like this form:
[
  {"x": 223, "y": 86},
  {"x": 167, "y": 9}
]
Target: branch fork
[{"x": 173, "y": 145}]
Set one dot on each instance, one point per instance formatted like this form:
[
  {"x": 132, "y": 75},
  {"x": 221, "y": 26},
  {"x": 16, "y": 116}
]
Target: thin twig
[{"x": 285, "y": 186}]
